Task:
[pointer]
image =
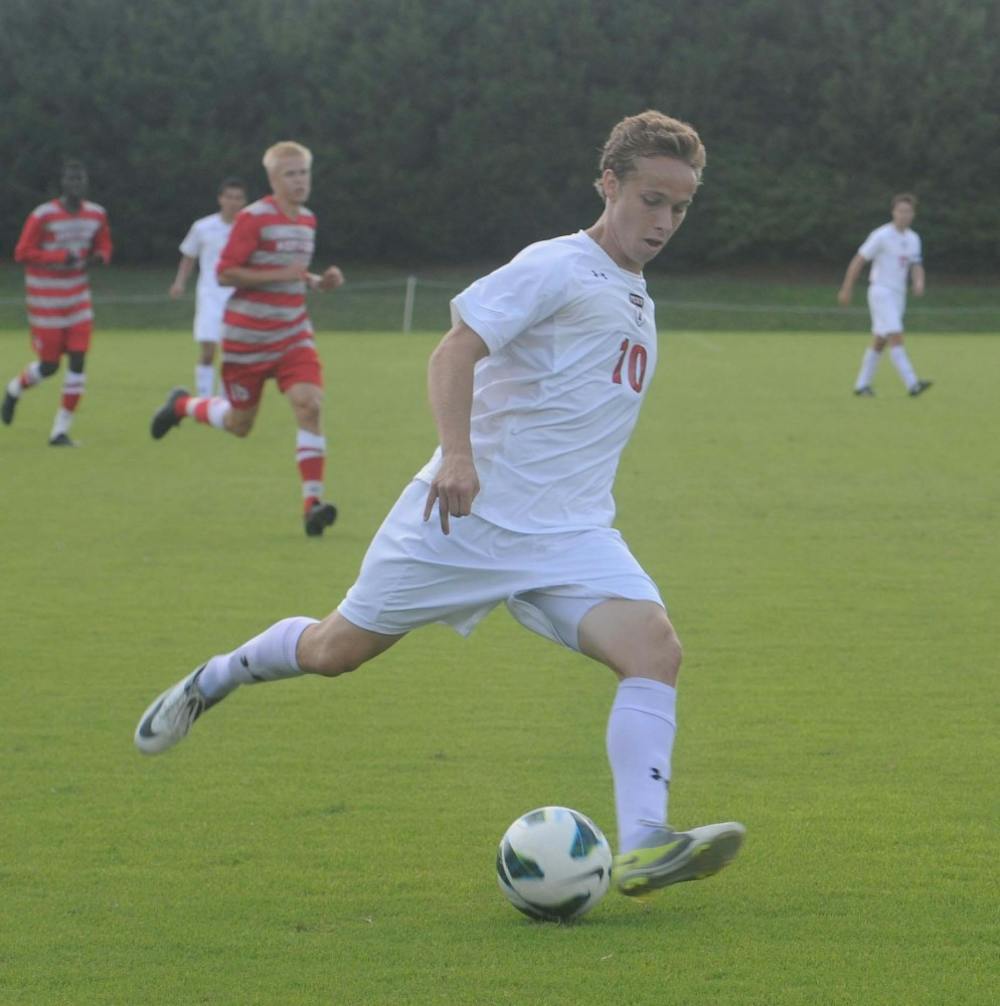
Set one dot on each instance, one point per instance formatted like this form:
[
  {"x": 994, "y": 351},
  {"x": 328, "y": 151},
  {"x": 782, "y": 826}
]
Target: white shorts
[
  {"x": 413, "y": 574},
  {"x": 886, "y": 307},
  {"x": 208, "y": 314}
]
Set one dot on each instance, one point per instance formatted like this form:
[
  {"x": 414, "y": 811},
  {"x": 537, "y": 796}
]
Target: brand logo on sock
[
  {"x": 655, "y": 773},
  {"x": 244, "y": 662}
]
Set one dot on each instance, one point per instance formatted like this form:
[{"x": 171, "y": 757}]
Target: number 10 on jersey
[{"x": 636, "y": 364}]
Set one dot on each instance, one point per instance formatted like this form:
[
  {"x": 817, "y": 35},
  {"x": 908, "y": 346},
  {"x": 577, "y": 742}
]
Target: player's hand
[
  {"x": 176, "y": 290},
  {"x": 95, "y": 258},
  {"x": 454, "y": 488},
  {"x": 918, "y": 289},
  {"x": 331, "y": 279},
  {"x": 844, "y": 297}
]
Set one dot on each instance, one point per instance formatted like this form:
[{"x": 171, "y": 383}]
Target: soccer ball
[{"x": 554, "y": 864}]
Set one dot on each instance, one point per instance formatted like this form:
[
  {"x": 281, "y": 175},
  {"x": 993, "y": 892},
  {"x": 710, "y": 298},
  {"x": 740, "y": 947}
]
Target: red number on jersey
[{"x": 636, "y": 365}]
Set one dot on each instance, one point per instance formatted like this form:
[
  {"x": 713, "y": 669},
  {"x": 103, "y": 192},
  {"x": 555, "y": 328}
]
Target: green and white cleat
[
  {"x": 172, "y": 715},
  {"x": 671, "y": 857}
]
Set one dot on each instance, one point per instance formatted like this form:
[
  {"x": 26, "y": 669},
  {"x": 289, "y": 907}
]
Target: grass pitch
[{"x": 831, "y": 564}]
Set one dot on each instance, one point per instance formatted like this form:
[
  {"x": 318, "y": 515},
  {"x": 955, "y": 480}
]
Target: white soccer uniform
[
  {"x": 205, "y": 241},
  {"x": 572, "y": 340},
  {"x": 891, "y": 252}
]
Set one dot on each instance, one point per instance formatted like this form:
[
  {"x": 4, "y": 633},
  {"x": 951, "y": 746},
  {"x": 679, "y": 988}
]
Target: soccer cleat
[
  {"x": 165, "y": 418},
  {"x": 62, "y": 440},
  {"x": 919, "y": 388},
  {"x": 865, "y": 392},
  {"x": 8, "y": 407},
  {"x": 671, "y": 857},
  {"x": 319, "y": 518},
  {"x": 171, "y": 716}
]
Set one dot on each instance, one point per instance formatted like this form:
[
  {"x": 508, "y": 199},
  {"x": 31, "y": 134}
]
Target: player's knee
[
  {"x": 657, "y": 652},
  {"x": 48, "y": 367},
  {"x": 238, "y": 423}
]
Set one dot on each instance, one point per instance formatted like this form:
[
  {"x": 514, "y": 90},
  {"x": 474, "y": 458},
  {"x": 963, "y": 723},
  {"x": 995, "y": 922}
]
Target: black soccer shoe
[
  {"x": 919, "y": 388},
  {"x": 866, "y": 392},
  {"x": 8, "y": 407},
  {"x": 165, "y": 418},
  {"x": 62, "y": 440},
  {"x": 319, "y": 518}
]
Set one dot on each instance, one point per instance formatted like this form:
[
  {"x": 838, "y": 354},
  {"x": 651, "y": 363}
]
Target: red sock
[{"x": 180, "y": 406}]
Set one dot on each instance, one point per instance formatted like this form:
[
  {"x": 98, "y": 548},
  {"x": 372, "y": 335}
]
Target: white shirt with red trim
[{"x": 573, "y": 345}]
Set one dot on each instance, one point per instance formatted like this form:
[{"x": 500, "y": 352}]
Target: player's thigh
[
  {"x": 336, "y": 646},
  {"x": 48, "y": 344},
  {"x": 634, "y": 638},
  {"x": 78, "y": 338}
]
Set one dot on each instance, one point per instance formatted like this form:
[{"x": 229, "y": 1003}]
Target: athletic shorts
[
  {"x": 50, "y": 343},
  {"x": 886, "y": 307},
  {"x": 414, "y": 574},
  {"x": 208, "y": 314},
  {"x": 244, "y": 382}
]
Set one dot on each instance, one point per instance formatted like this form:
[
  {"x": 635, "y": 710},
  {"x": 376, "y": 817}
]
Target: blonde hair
[
  {"x": 286, "y": 148},
  {"x": 904, "y": 197},
  {"x": 650, "y": 134}
]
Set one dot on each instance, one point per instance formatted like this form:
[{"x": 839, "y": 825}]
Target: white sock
[
  {"x": 218, "y": 409},
  {"x": 63, "y": 421},
  {"x": 29, "y": 377},
  {"x": 204, "y": 379},
  {"x": 267, "y": 657},
  {"x": 902, "y": 363},
  {"x": 869, "y": 363},
  {"x": 640, "y": 739},
  {"x": 310, "y": 454}
]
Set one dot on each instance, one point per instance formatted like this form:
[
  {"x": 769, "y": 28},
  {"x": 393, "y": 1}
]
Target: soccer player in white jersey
[
  {"x": 535, "y": 391},
  {"x": 202, "y": 246},
  {"x": 894, "y": 252}
]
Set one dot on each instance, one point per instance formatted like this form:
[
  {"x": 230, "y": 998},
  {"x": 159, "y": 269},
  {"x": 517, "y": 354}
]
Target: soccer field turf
[{"x": 831, "y": 566}]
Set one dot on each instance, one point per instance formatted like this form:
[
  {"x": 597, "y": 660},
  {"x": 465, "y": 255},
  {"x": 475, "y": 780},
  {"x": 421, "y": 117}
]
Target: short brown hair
[
  {"x": 904, "y": 197},
  {"x": 650, "y": 134}
]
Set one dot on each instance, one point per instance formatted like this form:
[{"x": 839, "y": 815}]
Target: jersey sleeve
[
  {"x": 869, "y": 249},
  {"x": 191, "y": 245},
  {"x": 29, "y": 249},
  {"x": 241, "y": 244},
  {"x": 515, "y": 297},
  {"x": 101, "y": 245},
  {"x": 918, "y": 255}
]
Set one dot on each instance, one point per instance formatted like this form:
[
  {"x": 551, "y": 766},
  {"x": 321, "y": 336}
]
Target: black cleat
[
  {"x": 7, "y": 409},
  {"x": 919, "y": 388},
  {"x": 62, "y": 440},
  {"x": 165, "y": 418},
  {"x": 319, "y": 518},
  {"x": 866, "y": 392}
]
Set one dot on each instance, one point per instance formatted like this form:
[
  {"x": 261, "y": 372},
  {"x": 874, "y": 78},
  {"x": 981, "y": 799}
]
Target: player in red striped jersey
[
  {"x": 60, "y": 239},
  {"x": 266, "y": 329}
]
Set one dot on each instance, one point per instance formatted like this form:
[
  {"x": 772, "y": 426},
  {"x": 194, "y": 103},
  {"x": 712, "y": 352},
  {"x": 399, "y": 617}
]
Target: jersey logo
[
  {"x": 637, "y": 301},
  {"x": 599, "y": 275}
]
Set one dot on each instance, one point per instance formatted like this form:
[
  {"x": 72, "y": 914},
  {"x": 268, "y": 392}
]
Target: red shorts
[
  {"x": 244, "y": 382},
  {"x": 51, "y": 343}
]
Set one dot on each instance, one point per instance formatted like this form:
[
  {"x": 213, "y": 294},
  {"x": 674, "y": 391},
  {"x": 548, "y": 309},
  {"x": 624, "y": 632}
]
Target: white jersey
[
  {"x": 572, "y": 341},
  {"x": 205, "y": 241},
  {"x": 891, "y": 253}
]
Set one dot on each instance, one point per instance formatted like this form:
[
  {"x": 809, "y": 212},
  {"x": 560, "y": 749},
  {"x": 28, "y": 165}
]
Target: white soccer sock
[
  {"x": 63, "y": 421},
  {"x": 267, "y": 657},
  {"x": 28, "y": 378},
  {"x": 310, "y": 455},
  {"x": 869, "y": 363},
  {"x": 640, "y": 739},
  {"x": 902, "y": 363},
  {"x": 204, "y": 379}
]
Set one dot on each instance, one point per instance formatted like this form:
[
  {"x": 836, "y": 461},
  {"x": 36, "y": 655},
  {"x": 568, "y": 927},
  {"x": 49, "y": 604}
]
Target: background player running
[
  {"x": 895, "y": 254},
  {"x": 267, "y": 332},
  {"x": 60, "y": 240},
  {"x": 202, "y": 246}
]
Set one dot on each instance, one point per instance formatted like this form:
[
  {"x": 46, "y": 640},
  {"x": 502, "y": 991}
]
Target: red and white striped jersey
[
  {"x": 54, "y": 247},
  {"x": 262, "y": 323}
]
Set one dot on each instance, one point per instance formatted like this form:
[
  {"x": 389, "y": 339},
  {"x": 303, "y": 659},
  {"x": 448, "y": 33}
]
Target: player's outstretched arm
[
  {"x": 918, "y": 278},
  {"x": 449, "y": 387},
  {"x": 850, "y": 278},
  {"x": 329, "y": 280}
]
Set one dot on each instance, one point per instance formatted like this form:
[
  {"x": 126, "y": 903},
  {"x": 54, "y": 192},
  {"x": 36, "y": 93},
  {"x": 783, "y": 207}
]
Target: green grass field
[{"x": 831, "y": 565}]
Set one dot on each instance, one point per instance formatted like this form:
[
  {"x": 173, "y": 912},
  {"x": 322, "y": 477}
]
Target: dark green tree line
[{"x": 448, "y": 129}]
